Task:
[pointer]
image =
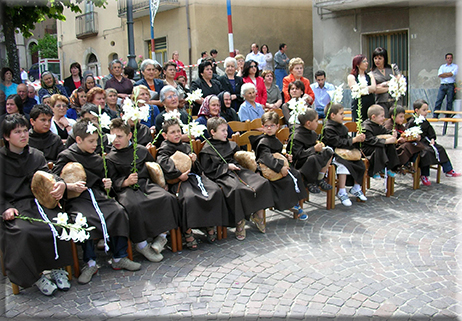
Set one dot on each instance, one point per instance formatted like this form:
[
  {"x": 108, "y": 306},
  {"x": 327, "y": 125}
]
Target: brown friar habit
[
  {"x": 114, "y": 214},
  {"x": 308, "y": 161},
  {"x": 197, "y": 210},
  {"x": 407, "y": 149},
  {"x": 379, "y": 154},
  {"x": 27, "y": 247},
  {"x": 428, "y": 157},
  {"x": 245, "y": 191},
  {"x": 151, "y": 209},
  {"x": 284, "y": 194},
  {"x": 336, "y": 136},
  {"x": 143, "y": 134},
  {"x": 48, "y": 143}
]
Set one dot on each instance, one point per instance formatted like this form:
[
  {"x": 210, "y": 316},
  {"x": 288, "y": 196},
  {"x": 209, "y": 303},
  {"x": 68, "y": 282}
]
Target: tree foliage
[
  {"x": 48, "y": 47},
  {"x": 21, "y": 16}
]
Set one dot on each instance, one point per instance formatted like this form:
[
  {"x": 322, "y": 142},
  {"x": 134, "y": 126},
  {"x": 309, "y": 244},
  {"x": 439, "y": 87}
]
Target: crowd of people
[{"x": 60, "y": 125}]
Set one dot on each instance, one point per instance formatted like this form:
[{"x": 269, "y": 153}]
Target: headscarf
[
  {"x": 54, "y": 88},
  {"x": 74, "y": 98},
  {"x": 221, "y": 97},
  {"x": 205, "y": 109}
]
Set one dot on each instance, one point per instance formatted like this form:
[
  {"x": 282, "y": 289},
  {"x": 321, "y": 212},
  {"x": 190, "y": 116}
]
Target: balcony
[
  {"x": 141, "y": 7},
  {"x": 86, "y": 25},
  {"x": 339, "y": 5}
]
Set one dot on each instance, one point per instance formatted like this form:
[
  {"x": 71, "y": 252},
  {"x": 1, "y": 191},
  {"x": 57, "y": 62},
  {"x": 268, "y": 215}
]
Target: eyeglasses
[
  {"x": 270, "y": 126},
  {"x": 60, "y": 106},
  {"x": 171, "y": 96}
]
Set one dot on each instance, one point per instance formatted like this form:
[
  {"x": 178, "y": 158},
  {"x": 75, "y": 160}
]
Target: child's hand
[
  {"x": 401, "y": 140},
  {"x": 318, "y": 147},
  {"x": 184, "y": 176},
  {"x": 149, "y": 145},
  {"x": 359, "y": 138},
  {"x": 432, "y": 142},
  {"x": 193, "y": 157},
  {"x": 132, "y": 179},
  {"x": 9, "y": 214},
  {"x": 289, "y": 157},
  {"x": 285, "y": 171},
  {"x": 107, "y": 183},
  {"x": 419, "y": 138},
  {"x": 233, "y": 167},
  {"x": 78, "y": 187},
  {"x": 390, "y": 140},
  {"x": 58, "y": 190}
]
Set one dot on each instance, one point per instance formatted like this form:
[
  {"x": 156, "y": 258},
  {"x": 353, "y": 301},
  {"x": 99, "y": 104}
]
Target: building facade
[{"x": 99, "y": 35}]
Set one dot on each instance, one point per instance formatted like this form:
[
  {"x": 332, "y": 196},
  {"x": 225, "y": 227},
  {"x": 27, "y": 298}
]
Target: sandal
[
  {"x": 240, "y": 230},
  {"x": 211, "y": 238},
  {"x": 258, "y": 222},
  {"x": 192, "y": 245}
]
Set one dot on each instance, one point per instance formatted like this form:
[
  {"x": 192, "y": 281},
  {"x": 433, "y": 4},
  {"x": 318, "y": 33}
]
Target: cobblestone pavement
[{"x": 386, "y": 258}]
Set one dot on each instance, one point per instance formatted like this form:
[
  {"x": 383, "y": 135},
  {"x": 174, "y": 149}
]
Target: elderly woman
[
  {"x": 251, "y": 75},
  {"x": 232, "y": 83},
  {"x": 123, "y": 85},
  {"x": 77, "y": 99},
  {"x": 250, "y": 109},
  {"x": 88, "y": 82},
  {"x": 205, "y": 82},
  {"x": 240, "y": 59},
  {"x": 296, "y": 66},
  {"x": 274, "y": 97},
  {"x": 358, "y": 73},
  {"x": 210, "y": 108},
  {"x": 227, "y": 112},
  {"x": 7, "y": 85},
  {"x": 382, "y": 71},
  {"x": 13, "y": 106},
  {"x": 60, "y": 124},
  {"x": 74, "y": 81},
  {"x": 50, "y": 86},
  {"x": 149, "y": 70},
  {"x": 142, "y": 93},
  {"x": 97, "y": 96},
  {"x": 170, "y": 98},
  {"x": 111, "y": 101}
]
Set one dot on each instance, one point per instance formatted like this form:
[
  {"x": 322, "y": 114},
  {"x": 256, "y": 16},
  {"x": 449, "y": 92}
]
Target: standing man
[
  {"x": 257, "y": 56},
  {"x": 447, "y": 74},
  {"x": 214, "y": 54},
  {"x": 280, "y": 64},
  {"x": 322, "y": 91},
  {"x": 202, "y": 58},
  {"x": 24, "y": 76}
]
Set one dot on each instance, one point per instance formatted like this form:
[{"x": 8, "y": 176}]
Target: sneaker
[
  {"x": 60, "y": 278},
  {"x": 452, "y": 173},
  {"x": 158, "y": 244},
  {"x": 313, "y": 188},
  {"x": 391, "y": 174},
  {"x": 87, "y": 273},
  {"x": 324, "y": 185},
  {"x": 297, "y": 210},
  {"x": 126, "y": 264},
  {"x": 46, "y": 286},
  {"x": 376, "y": 176},
  {"x": 425, "y": 180},
  {"x": 358, "y": 193},
  {"x": 344, "y": 199},
  {"x": 303, "y": 217},
  {"x": 149, "y": 253}
]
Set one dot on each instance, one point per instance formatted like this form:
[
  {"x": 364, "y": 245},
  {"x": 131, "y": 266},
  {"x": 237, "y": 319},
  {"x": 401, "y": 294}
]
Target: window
[{"x": 160, "y": 50}]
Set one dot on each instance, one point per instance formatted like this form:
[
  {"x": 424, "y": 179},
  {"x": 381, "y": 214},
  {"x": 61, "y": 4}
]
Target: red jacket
[
  {"x": 180, "y": 71},
  {"x": 290, "y": 78},
  {"x": 261, "y": 90}
]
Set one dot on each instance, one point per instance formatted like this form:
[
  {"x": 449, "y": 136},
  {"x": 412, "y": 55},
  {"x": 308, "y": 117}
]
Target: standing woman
[
  {"x": 268, "y": 57},
  {"x": 74, "y": 81},
  {"x": 232, "y": 83},
  {"x": 205, "y": 82},
  {"x": 123, "y": 85},
  {"x": 251, "y": 74},
  {"x": 50, "y": 86},
  {"x": 240, "y": 64},
  {"x": 170, "y": 71},
  {"x": 149, "y": 70},
  {"x": 357, "y": 73},
  {"x": 7, "y": 85},
  {"x": 13, "y": 106},
  {"x": 60, "y": 124},
  {"x": 179, "y": 66},
  {"x": 382, "y": 71}
]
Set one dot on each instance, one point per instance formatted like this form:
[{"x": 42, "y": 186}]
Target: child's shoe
[
  {"x": 297, "y": 210},
  {"x": 158, "y": 244},
  {"x": 376, "y": 176},
  {"x": 358, "y": 193},
  {"x": 324, "y": 185},
  {"x": 313, "y": 188},
  {"x": 60, "y": 278},
  {"x": 303, "y": 217},
  {"x": 46, "y": 286},
  {"x": 452, "y": 173},
  {"x": 344, "y": 199},
  {"x": 126, "y": 264},
  {"x": 425, "y": 180},
  {"x": 87, "y": 273},
  {"x": 391, "y": 174}
]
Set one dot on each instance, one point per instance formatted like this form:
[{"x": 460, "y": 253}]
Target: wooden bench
[{"x": 447, "y": 120}]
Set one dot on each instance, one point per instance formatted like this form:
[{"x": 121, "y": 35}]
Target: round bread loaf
[
  {"x": 156, "y": 174},
  {"x": 246, "y": 159},
  {"x": 73, "y": 172},
  {"x": 348, "y": 154},
  {"x": 182, "y": 161},
  {"x": 41, "y": 186},
  {"x": 269, "y": 173}
]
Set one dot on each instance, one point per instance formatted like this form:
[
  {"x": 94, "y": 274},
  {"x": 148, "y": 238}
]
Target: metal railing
[
  {"x": 86, "y": 25},
  {"x": 140, "y": 5}
]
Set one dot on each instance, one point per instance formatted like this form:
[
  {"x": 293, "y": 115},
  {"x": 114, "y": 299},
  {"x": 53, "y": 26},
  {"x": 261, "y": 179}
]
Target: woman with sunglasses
[{"x": 251, "y": 74}]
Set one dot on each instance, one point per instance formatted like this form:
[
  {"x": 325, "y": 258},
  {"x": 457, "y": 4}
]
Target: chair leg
[
  {"x": 129, "y": 249},
  {"x": 438, "y": 174},
  {"x": 264, "y": 217},
  {"x": 1, "y": 262},
  {"x": 173, "y": 240},
  {"x": 219, "y": 233},
  {"x": 225, "y": 232},
  {"x": 75, "y": 258},
  {"x": 390, "y": 186},
  {"x": 69, "y": 272},
  {"x": 15, "y": 288},
  {"x": 330, "y": 201},
  {"x": 179, "y": 241}
]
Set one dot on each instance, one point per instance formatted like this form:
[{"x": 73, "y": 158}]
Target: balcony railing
[
  {"x": 86, "y": 25},
  {"x": 141, "y": 7}
]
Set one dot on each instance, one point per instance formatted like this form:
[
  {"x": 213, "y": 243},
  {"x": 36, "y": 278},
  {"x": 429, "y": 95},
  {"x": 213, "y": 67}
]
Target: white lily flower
[
  {"x": 195, "y": 95},
  {"x": 65, "y": 236},
  {"x": 337, "y": 95},
  {"x": 91, "y": 128},
  {"x": 172, "y": 114},
  {"x": 105, "y": 120},
  {"x": 80, "y": 220},
  {"x": 194, "y": 129},
  {"x": 61, "y": 218},
  {"x": 110, "y": 138},
  {"x": 419, "y": 120}
]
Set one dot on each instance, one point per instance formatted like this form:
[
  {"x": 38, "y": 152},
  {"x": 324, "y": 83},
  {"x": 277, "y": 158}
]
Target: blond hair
[{"x": 295, "y": 61}]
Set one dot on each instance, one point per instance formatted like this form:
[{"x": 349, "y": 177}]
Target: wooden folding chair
[
  {"x": 243, "y": 140},
  {"x": 283, "y": 135},
  {"x": 255, "y": 124},
  {"x": 239, "y": 126}
]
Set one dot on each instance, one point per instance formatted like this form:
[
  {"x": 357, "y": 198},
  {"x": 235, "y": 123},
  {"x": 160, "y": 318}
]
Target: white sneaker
[
  {"x": 358, "y": 193},
  {"x": 46, "y": 286},
  {"x": 149, "y": 253},
  {"x": 158, "y": 244},
  {"x": 344, "y": 199},
  {"x": 60, "y": 278}
]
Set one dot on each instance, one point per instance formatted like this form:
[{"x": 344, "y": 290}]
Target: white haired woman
[
  {"x": 232, "y": 83},
  {"x": 250, "y": 109}
]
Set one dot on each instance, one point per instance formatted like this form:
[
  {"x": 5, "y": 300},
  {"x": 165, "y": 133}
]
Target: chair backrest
[
  {"x": 351, "y": 126},
  {"x": 255, "y": 124},
  {"x": 243, "y": 139},
  {"x": 197, "y": 146},
  {"x": 283, "y": 134},
  {"x": 281, "y": 116},
  {"x": 239, "y": 126},
  {"x": 153, "y": 151}
]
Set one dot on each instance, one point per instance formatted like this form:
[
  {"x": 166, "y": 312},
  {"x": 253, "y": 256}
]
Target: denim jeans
[
  {"x": 118, "y": 245},
  {"x": 425, "y": 170},
  {"x": 445, "y": 90},
  {"x": 279, "y": 74}
]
